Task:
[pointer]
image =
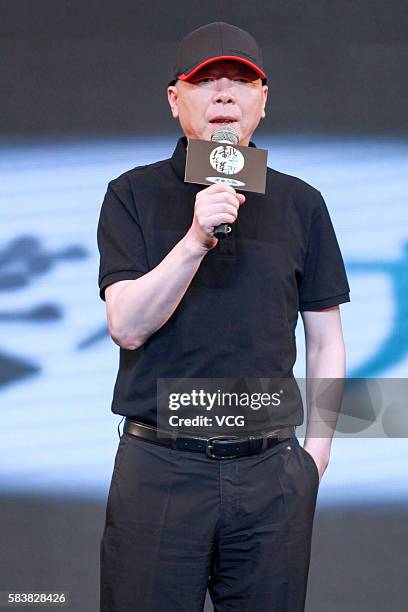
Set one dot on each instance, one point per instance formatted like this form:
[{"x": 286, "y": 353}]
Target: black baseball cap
[{"x": 216, "y": 41}]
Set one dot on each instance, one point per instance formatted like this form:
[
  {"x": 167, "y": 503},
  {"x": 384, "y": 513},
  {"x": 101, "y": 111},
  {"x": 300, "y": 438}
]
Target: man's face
[{"x": 221, "y": 90}]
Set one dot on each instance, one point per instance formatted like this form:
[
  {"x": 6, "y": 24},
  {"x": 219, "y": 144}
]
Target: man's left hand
[{"x": 320, "y": 455}]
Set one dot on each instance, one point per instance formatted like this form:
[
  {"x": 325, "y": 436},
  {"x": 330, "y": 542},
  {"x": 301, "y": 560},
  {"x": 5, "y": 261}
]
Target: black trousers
[{"x": 178, "y": 522}]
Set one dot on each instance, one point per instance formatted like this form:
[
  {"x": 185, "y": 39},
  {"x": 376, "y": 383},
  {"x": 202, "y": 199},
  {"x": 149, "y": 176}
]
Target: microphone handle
[{"x": 221, "y": 231}]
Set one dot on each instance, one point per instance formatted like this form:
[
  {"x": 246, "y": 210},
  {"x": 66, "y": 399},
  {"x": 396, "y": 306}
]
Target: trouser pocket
[{"x": 310, "y": 462}]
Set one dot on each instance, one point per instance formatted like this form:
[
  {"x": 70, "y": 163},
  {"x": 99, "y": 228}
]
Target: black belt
[{"x": 215, "y": 447}]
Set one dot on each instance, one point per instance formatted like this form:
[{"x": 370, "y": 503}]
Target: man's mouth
[{"x": 223, "y": 121}]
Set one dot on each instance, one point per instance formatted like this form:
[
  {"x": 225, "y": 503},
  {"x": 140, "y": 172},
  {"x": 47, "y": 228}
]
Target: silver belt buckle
[{"x": 209, "y": 446}]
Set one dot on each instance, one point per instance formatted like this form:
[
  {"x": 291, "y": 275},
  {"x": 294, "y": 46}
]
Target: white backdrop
[{"x": 58, "y": 366}]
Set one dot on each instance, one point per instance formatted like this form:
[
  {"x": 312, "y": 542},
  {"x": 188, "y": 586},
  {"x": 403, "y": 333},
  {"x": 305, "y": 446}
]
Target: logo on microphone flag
[{"x": 227, "y": 159}]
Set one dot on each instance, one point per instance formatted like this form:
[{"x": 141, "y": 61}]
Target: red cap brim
[{"x": 185, "y": 77}]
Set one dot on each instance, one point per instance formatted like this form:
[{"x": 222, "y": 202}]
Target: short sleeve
[
  {"x": 119, "y": 237},
  {"x": 324, "y": 280}
]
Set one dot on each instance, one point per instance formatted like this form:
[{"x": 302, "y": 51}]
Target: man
[{"x": 184, "y": 514}]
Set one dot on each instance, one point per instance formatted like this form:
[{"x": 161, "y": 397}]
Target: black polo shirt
[{"x": 238, "y": 316}]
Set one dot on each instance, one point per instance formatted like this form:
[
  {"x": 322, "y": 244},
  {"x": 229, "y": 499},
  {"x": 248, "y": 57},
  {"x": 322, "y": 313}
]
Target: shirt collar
[{"x": 178, "y": 159}]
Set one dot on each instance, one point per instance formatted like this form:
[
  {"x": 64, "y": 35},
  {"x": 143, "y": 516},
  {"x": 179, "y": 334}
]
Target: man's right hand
[{"x": 214, "y": 205}]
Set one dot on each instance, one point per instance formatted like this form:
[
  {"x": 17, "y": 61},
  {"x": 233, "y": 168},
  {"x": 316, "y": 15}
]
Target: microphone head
[{"x": 225, "y": 133}]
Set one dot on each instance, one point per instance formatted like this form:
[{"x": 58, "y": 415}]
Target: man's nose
[{"x": 223, "y": 89}]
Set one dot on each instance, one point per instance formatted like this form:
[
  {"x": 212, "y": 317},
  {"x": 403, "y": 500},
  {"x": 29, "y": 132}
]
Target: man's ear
[
  {"x": 265, "y": 90},
  {"x": 172, "y": 96}
]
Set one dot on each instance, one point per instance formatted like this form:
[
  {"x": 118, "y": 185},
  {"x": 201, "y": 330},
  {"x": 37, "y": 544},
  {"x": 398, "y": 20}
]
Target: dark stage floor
[{"x": 359, "y": 556}]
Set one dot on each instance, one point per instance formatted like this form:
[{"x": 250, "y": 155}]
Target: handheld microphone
[{"x": 227, "y": 135}]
